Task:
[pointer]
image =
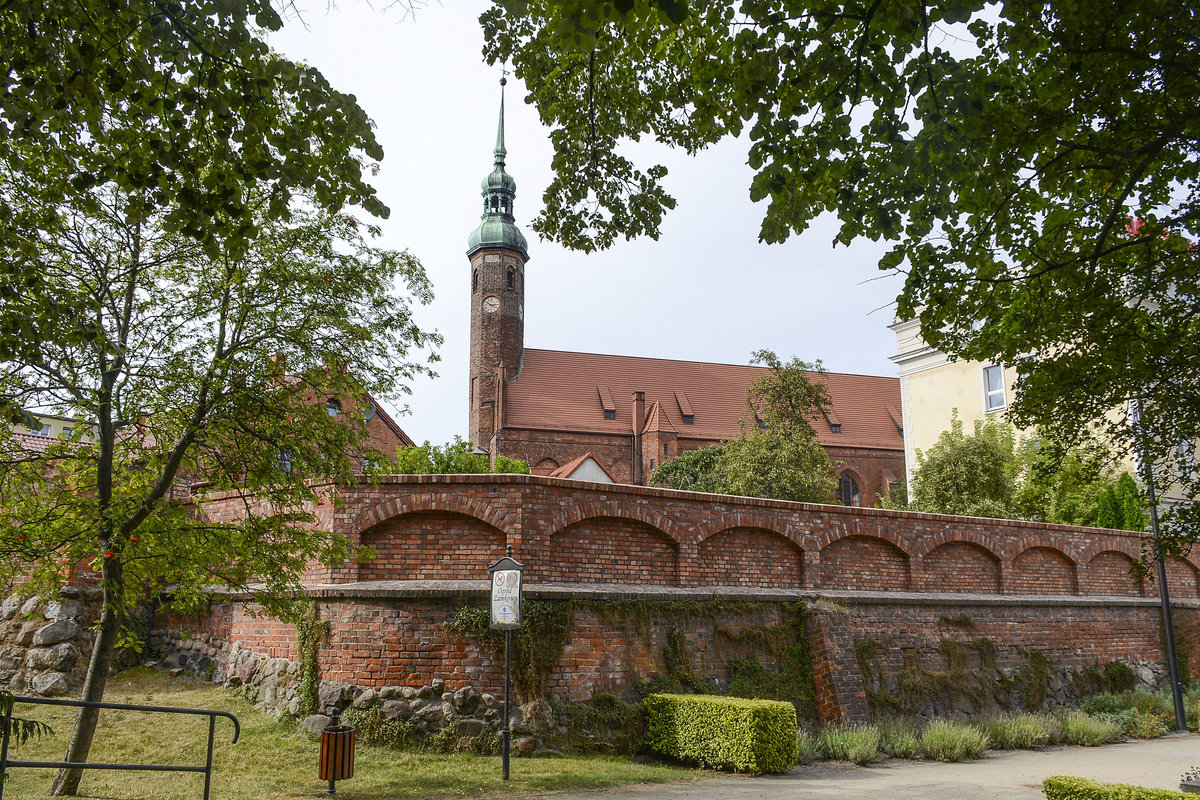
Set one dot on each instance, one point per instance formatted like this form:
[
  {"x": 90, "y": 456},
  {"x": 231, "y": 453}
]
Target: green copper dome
[{"x": 497, "y": 227}]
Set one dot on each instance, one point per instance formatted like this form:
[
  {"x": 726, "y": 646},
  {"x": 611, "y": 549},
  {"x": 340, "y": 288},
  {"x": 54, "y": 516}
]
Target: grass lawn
[{"x": 275, "y": 761}]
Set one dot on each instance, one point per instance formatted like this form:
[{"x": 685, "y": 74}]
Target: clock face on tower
[{"x": 491, "y": 304}]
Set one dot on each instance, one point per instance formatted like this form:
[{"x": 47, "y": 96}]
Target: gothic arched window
[
  {"x": 848, "y": 491},
  {"x": 474, "y": 281},
  {"x": 512, "y": 278}
]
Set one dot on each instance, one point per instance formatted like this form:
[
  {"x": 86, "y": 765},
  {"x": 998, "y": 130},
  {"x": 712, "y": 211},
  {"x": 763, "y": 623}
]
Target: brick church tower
[{"x": 498, "y": 256}]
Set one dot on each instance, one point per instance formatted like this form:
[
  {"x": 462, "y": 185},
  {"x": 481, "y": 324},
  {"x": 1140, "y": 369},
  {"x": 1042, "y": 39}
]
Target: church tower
[{"x": 498, "y": 254}]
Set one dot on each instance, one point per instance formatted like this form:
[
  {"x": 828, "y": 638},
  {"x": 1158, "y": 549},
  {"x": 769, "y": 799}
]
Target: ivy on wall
[{"x": 311, "y": 633}]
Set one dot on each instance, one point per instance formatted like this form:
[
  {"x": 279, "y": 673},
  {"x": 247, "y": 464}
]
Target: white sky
[{"x": 707, "y": 290}]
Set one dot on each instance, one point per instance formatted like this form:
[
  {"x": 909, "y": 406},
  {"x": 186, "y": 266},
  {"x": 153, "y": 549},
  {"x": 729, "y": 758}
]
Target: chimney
[
  {"x": 639, "y": 422},
  {"x": 639, "y": 411}
]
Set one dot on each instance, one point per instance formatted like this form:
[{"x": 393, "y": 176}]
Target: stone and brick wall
[{"x": 906, "y": 582}]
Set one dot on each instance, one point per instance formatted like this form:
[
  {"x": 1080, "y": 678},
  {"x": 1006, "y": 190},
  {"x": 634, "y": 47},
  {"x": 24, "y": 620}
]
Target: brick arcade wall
[{"x": 900, "y": 576}]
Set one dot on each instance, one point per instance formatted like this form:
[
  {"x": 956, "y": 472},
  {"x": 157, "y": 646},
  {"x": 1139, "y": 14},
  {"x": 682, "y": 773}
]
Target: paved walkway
[{"x": 1013, "y": 775}]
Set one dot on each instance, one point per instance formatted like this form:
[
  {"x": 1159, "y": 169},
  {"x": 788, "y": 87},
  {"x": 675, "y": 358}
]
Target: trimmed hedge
[
  {"x": 1062, "y": 787},
  {"x": 754, "y": 736}
]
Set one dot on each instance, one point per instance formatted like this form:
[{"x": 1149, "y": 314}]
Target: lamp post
[
  {"x": 1164, "y": 593},
  {"x": 506, "y": 616}
]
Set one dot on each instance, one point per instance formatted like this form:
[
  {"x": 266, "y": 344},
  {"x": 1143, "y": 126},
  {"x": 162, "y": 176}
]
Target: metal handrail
[{"x": 5, "y": 762}]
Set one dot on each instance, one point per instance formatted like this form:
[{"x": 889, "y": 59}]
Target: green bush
[
  {"x": 856, "y": 743},
  {"x": 899, "y": 738},
  {"x": 1119, "y": 677},
  {"x": 1061, "y": 787},
  {"x": 807, "y": 746},
  {"x": 1017, "y": 731},
  {"x": 753, "y": 736},
  {"x": 372, "y": 727},
  {"x": 1081, "y": 729},
  {"x": 944, "y": 740}
]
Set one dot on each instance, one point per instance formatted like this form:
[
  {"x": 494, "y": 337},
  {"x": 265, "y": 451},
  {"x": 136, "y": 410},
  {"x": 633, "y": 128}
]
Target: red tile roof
[
  {"x": 568, "y": 469},
  {"x": 657, "y": 420},
  {"x": 557, "y": 390}
]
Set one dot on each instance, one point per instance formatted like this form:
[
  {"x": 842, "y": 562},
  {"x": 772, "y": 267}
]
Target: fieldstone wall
[{"x": 45, "y": 643}]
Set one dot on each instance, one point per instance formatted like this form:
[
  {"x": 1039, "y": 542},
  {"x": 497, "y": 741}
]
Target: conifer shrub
[
  {"x": 945, "y": 740},
  {"x": 754, "y": 736},
  {"x": 858, "y": 744},
  {"x": 1061, "y": 787}
]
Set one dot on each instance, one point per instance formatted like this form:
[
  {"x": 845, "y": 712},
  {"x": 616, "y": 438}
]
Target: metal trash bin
[{"x": 337, "y": 752}]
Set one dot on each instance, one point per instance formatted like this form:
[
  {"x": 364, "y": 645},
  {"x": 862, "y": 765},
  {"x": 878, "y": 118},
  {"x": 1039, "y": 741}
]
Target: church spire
[
  {"x": 497, "y": 228},
  {"x": 500, "y": 152}
]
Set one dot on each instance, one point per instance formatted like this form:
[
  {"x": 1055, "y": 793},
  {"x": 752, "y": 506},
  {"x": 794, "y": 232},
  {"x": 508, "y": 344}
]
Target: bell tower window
[
  {"x": 474, "y": 281},
  {"x": 511, "y": 279}
]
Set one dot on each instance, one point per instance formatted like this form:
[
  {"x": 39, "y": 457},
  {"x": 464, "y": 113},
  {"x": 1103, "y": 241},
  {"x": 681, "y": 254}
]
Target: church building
[{"x": 610, "y": 418}]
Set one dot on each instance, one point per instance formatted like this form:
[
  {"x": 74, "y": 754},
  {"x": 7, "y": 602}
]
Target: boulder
[
  {"x": 408, "y": 693},
  {"x": 60, "y": 657},
  {"x": 50, "y": 684},
  {"x": 10, "y": 606},
  {"x": 366, "y": 699},
  {"x": 315, "y": 723},
  {"x": 523, "y": 746},
  {"x": 25, "y": 635},
  {"x": 470, "y": 727},
  {"x": 437, "y": 686},
  {"x": 466, "y": 700},
  {"x": 16, "y": 683},
  {"x": 30, "y": 605},
  {"x": 248, "y": 669},
  {"x": 330, "y": 694},
  {"x": 58, "y": 631},
  {"x": 390, "y": 693},
  {"x": 63, "y": 609},
  {"x": 396, "y": 709}
]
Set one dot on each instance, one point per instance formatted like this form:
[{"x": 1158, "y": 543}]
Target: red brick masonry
[{"x": 1062, "y": 590}]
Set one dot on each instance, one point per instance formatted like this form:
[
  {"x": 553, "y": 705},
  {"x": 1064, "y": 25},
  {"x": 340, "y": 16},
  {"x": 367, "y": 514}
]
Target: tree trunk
[{"x": 67, "y": 781}]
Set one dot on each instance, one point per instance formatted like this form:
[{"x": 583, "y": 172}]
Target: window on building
[
  {"x": 474, "y": 281},
  {"x": 664, "y": 448},
  {"x": 333, "y": 407},
  {"x": 762, "y": 423},
  {"x": 285, "y": 460},
  {"x": 993, "y": 388},
  {"x": 512, "y": 278},
  {"x": 689, "y": 419},
  {"x": 44, "y": 430},
  {"x": 835, "y": 427},
  {"x": 610, "y": 413},
  {"x": 848, "y": 491},
  {"x": 1185, "y": 459}
]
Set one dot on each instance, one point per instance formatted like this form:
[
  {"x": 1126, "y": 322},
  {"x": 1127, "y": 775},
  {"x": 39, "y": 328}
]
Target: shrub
[
  {"x": 856, "y": 743},
  {"x": 807, "y": 746},
  {"x": 1119, "y": 677},
  {"x": 1061, "y": 787},
  {"x": 1081, "y": 729},
  {"x": 944, "y": 740},
  {"x": 372, "y": 727},
  {"x": 1016, "y": 731},
  {"x": 1148, "y": 726},
  {"x": 899, "y": 739},
  {"x": 754, "y": 736}
]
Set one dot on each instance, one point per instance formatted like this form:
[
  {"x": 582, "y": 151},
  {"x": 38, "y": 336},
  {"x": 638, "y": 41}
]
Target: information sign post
[{"x": 506, "y": 616}]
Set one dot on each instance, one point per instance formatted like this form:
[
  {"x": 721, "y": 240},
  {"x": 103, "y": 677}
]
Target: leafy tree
[
  {"x": 180, "y": 106},
  {"x": 454, "y": 458},
  {"x": 1034, "y": 165},
  {"x": 693, "y": 470},
  {"x": 205, "y": 374},
  {"x": 777, "y": 454},
  {"x": 965, "y": 474}
]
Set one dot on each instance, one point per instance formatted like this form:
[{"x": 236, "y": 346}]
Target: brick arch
[
  {"x": 1183, "y": 578},
  {"x": 610, "y": 549},
  {"x": 866, "y": 561},
  {"x": 961, "y": 564},
  {"x": 544, "y": 467},
  {"x": 430, "y": 545},
  {"x": 747, "y": 555},
  {"x": 948, "y": 537},
  {"x": 1108, "y": 573},
  {"x": 453, "y": 503},
  {"x": 750, "y": 519},
  {"x": 1115, "y": 545},
  {"x": 1042, "y": 568},
  {"x": 615, "y": 509},
  {"x": 864, "y": 531},
  {"x": 1013, "y": 551}
]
